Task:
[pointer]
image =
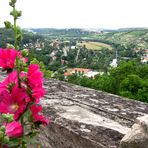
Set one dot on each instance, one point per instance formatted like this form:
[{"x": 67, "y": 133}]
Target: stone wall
[{"x": 86, "y": 118}]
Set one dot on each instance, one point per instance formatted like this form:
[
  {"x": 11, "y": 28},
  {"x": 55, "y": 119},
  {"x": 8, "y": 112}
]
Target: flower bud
[
  {"x": 8, "y": 117},
  {"x": 19, "y": 13},
  {"x": 8, "y": 25},
  {"x": 10, "y": 46},
  {"x": 1, "y": 135},
  {"x": 6, "y": 139},
  {"x": 25, "y": 52},
  {"x": 14, "y": 129},
  {"x": 11, "y": 4},
  {"x": 13, "y": 1},
  {"x": 2, "y": 128}
]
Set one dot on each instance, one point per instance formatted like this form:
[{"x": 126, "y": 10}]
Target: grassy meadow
[{"x": 94, "y": 45}]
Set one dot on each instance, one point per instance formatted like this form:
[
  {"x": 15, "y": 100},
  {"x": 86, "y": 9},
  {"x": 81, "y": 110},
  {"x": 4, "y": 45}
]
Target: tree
[
  {"x": 130, "y": 86},
  {"x": 103, "y": 82}
]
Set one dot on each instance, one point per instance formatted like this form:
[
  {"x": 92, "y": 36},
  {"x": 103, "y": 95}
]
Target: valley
[{"x": 114, "y": 61}]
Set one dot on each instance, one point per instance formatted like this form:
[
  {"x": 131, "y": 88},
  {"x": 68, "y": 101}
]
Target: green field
[{"x": 94, "y": 45}]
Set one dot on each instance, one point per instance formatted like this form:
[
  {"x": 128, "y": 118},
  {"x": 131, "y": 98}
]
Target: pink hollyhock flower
[
  {"x": 14, "y": 129},
  {"x": 37, "y": 115},
  {"x": 37, "y": 93},
  {"x": 10, "y": 81},
  {"x": 7, "y": 58},
  {"x": 13, "y": 103},
  {"x": 35, "y": 81},
  {"x": 34, "y": 76}
]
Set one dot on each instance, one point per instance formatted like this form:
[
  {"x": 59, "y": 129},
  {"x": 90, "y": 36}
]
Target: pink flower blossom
[
  {"x": 14, "y": 129},
  {"x": 13, "y": 103},
  {"x": 7, "y": 58},
  {"x": 10, "y": 81},
  {"x": 35, "y": 81},
  {"x": 34, "y": 76},
  {"x": 37, "y": 93},
  {"x": 37, "y": 115}
]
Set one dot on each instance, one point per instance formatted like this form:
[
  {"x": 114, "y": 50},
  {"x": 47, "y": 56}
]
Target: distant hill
[
  {"x": 127, "y": 37},
  {"x": 71, "y": 33},
  {"x": 135, "y": 37},
  {"x": 138, "y": 38}
]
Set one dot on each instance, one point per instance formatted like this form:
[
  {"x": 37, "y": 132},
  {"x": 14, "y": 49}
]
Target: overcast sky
[{"x": 110, "y": 14}]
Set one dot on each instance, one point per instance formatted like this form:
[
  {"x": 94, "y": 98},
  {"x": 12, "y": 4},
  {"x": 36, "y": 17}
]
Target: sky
[{"x": 108, "y": 14}]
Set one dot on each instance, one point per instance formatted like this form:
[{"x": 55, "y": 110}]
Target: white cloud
[{"x": 79, "y": 13}]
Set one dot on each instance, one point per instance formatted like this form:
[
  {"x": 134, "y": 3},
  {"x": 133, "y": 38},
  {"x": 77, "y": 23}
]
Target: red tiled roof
[
  {"x": 67, "y": 74},
  {"x": 81, "y": 70},
  {"x": 70, "y": 71}
]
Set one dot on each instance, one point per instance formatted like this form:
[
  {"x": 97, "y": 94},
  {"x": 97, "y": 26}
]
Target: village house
[
  {"x": 144, "y": 59},
  {"x": 80, "y": 71}
]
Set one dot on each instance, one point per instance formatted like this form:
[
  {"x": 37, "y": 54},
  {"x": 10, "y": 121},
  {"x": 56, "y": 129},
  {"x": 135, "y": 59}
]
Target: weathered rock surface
[
  {"x": 137, "y": 137},
  {"x": 86, "y": 118}
]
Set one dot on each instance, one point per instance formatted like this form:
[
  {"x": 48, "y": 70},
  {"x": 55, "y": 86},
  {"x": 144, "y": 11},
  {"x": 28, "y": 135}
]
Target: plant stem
[
  {"x": 14, "y": 30},
  {"x": 18, "y": 71},
  {"x": 16, "y": 46}
]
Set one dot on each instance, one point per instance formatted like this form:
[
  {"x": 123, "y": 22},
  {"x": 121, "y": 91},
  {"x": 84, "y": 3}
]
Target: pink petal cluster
[
  {"x": 37, "y": 115},
  {"x": 14, "y": 102},
  {"x": 17, "y": 98},
  {"x": 10, "y": 81},
  {"x": 34, "y": 76},
  {"x": 7, "y": 58},
  {"x": 14, "y": 99},
  {"x": 35, "y": 81},
  {"x": 14, "y": 129}
]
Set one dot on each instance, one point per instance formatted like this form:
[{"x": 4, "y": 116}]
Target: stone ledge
[
  {"x": 137, "y": 137},
  {"x": 95, "y": 116},
  {"x": 86, "y": 118}
]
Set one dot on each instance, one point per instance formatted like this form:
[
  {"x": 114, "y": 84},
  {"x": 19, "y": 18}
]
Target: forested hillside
[{"x": 137, "y": 38}]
